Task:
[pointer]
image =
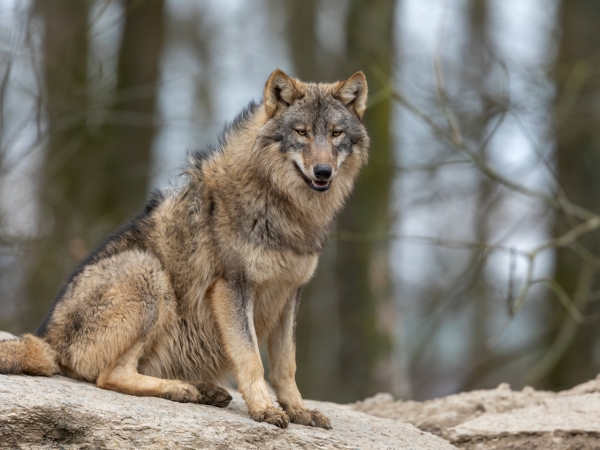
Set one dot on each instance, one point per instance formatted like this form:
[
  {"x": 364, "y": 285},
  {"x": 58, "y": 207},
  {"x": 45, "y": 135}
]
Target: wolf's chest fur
[
  {"x": 274, "y": 258},
  {"x": 267, "y": 267},
  {"x": 276, "y": 275}
]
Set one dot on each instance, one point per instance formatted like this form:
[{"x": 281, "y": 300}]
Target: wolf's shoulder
[{"x": 238, "y": 125}]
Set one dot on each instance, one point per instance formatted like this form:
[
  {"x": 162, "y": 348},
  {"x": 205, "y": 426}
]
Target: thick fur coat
[{"x": 186, "y": 292}]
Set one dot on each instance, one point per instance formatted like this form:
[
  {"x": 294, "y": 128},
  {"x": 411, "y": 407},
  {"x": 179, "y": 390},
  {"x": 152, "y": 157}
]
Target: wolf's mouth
[{"x": 320, "y": 186}]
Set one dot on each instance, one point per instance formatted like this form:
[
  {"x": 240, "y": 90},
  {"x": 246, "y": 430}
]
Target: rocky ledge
[
  {"x": 61, "y": 413},
  {"x": 503, "y": 419}
]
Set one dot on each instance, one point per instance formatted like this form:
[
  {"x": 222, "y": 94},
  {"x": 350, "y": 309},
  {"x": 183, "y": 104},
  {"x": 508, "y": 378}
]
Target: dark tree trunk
[
  {"x": 569, "y": 357},
  {"x": 366, "y": 307},
  {"x": 65, "y": 74},
  {"x": 91, "y": 179}
]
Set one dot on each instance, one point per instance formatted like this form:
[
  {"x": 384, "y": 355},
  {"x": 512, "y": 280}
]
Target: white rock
[{"x": 4, "y": 336}]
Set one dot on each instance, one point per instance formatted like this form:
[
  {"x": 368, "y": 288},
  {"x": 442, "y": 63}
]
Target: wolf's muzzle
[{"x": 316, "y": 185}]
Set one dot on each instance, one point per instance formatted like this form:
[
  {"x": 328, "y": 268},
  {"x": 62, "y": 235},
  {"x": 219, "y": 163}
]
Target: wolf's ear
[
  {"x": 281, "y": 91},
  {"x": 353, "y": 93}
]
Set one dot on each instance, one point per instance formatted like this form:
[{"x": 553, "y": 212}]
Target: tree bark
[
  {"x": 91, "y": 179},
  {"x": 65, "y": 75},
  {"x": 577, "y": 128},
  {"x": 366, "y": 306}
]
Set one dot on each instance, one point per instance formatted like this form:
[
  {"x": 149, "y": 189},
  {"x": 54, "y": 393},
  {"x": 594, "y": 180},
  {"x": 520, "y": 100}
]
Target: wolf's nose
[{"x": 322, "y": 172}]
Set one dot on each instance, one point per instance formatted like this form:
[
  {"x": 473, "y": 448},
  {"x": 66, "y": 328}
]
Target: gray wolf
[{"x": 188, "y": 290}]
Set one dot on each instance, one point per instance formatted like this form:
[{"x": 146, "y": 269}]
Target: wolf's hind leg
[
  {"x": 123, "y": 377},
  {"x": 106, "y": 323}
]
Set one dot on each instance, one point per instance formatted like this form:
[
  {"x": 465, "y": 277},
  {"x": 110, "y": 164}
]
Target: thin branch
[
  {"x": 450, "y": 138},
  {"x": 360, "y": 237},
  {"x": 568, "y": 327},
  {"x": 569, "y": 237},
  {"x": 570, "y": 305}
]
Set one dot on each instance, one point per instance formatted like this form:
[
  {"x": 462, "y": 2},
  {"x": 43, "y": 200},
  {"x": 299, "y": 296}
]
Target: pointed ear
[
  {"x": 353, "y": 93},
  {"x": 281, "y": 91}
]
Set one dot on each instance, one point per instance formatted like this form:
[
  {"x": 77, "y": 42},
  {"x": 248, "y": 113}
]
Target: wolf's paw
[
  {"x": 183, "y": 393},
  {"x": 310, "y": 417},
  {"x": 213, "y": 395},
  {"x": 271, "y": 415}
]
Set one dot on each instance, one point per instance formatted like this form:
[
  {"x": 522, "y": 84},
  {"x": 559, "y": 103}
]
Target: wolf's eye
[
  {"x": 336, "y": 133},
  {"x": 301, "y": 132}
]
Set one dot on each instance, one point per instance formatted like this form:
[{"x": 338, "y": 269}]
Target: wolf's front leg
[
  {"x": 282, "y": 356},
  {"x": 232, "y": 304}
]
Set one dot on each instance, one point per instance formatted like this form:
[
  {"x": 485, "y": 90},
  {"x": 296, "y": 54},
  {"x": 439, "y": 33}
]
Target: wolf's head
[{"x": 318, "y": 129}]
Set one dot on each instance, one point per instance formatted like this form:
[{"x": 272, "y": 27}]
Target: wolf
[{"x": 185, "y": 293}]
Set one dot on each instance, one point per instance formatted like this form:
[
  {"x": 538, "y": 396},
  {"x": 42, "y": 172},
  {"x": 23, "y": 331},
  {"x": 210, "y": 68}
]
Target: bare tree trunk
[
  {"x": 65, "y": 46},
  {"x": 128, "y": 145},
  {"x": 367, "y": 311},
  {"x": 478, "y": 67},
  {"x": 577, "y": 123},
  {"x": 91, "y": 181},
  {"x": 301, "y": 30}
]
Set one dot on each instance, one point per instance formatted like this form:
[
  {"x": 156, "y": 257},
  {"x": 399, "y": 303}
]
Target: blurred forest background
[{"x": 470, "y": 251}]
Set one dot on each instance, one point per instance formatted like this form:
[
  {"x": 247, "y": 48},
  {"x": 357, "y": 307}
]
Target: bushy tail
[{"x": 28, "y": 355}]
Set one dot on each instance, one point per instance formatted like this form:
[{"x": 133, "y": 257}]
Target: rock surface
[
  {"x": 4, "y": 335},
  {"x": 502, "y": 419},
  {"x": 61, "y": 413}
]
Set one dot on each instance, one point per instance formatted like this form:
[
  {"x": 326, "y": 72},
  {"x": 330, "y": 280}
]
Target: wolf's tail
[{"x": 27, "y": 355}]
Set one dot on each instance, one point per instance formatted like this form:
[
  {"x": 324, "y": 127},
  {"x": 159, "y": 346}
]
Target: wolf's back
[{"x": 28, "y": 355}]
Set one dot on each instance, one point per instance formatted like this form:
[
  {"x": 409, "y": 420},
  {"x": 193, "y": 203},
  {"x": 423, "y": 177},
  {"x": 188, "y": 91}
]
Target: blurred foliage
[{"x": 469, "y": 253}]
